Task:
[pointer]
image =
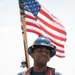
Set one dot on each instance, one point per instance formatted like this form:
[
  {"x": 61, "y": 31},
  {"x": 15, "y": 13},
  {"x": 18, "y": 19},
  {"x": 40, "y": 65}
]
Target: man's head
[
  {"x": 42, "y": 42},
  {"x": 41, "y": 55}
]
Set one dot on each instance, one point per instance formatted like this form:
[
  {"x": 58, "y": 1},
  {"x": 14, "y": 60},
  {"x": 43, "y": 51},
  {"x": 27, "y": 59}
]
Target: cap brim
[{"x": 52, "y": 50}]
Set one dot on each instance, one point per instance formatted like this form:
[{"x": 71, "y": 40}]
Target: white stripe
[
  {"x": 60, "y": 54},
  {"x": 28, "y": 13},
  {"x": 31, "y": 21}
]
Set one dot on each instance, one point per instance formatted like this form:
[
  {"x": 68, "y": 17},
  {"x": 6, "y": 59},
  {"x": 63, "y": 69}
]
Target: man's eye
[
  {"x": 47, "y": 52},
  {"x": 39, "y": 50}
]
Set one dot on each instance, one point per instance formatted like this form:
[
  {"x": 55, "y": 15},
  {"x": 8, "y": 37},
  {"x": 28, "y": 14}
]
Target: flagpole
[
  {"x": 25, "y": 42},
  {"x": 21, "y": 5}
]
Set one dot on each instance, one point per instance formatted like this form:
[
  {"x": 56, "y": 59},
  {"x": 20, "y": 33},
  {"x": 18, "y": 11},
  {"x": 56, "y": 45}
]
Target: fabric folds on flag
[{"x": 41, "y": 22}]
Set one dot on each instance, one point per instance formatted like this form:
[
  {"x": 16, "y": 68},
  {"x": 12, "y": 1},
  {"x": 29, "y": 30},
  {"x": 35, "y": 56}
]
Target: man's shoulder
[
  {"x": 20, "y": 73},
  {"x": 54, "y": 70},
  {"x": 57, "y": 73}
]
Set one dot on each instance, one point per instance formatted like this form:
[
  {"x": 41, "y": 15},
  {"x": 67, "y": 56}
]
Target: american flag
[{"x": 41, "y": 22}]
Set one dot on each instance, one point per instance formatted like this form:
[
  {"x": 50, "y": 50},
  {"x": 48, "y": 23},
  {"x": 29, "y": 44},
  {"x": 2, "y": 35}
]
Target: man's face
[{"x": 41, "y": 55}]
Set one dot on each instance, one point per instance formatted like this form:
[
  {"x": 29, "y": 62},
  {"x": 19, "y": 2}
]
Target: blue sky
[{"x": 11, "y": 42}]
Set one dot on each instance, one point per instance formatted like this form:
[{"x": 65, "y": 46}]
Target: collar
[{"x": 49, "y": 71}]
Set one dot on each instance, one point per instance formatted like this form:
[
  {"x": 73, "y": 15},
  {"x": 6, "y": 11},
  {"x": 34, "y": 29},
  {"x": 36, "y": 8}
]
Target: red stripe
[
  {"x": 61, "y": 51},
  {"x": 32, "y": 24},
  {"x": 60, "y": 56},
  {"x": 34, "y": 32},
  {"x": 30, "y": 17}
]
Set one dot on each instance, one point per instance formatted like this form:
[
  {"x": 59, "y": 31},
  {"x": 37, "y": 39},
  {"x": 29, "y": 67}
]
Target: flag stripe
[
  {"x": 31, "y": 24},
  {"x": 58, "y": 55}
]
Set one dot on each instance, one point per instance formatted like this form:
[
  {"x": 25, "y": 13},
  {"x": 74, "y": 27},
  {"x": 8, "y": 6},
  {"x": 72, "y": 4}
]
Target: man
[{"x": 41, "y": 51}]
